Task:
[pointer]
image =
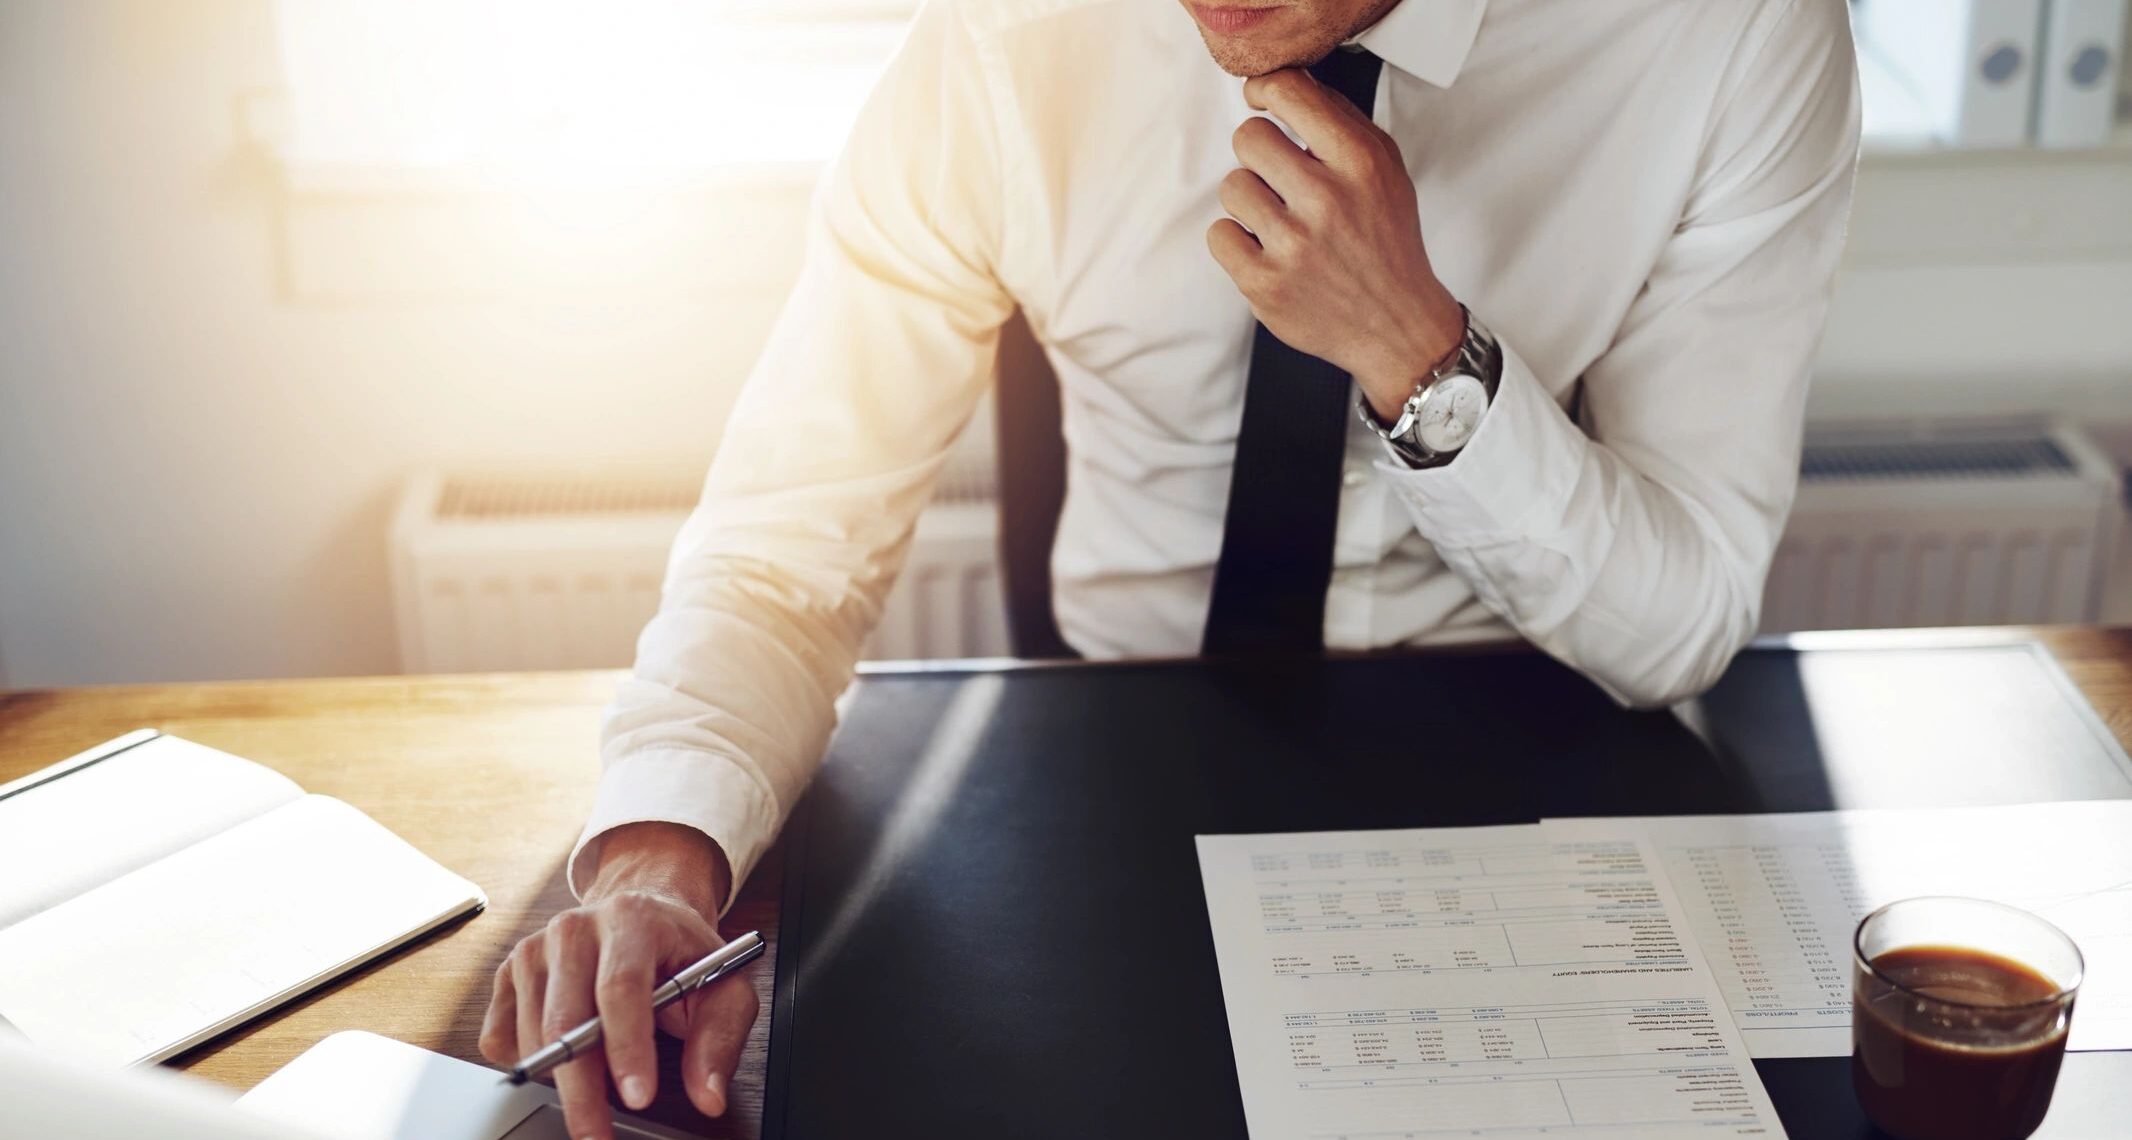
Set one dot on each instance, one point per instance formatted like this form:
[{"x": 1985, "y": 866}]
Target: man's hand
[
  {"x": 1326, "y": 243},
  {"x": 648, "y": 913}
]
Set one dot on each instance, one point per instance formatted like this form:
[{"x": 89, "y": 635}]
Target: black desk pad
[{"x": 993, "y": 921}]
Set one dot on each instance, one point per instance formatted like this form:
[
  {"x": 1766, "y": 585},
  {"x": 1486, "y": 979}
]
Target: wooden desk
[{"x": 492, "y": 776}]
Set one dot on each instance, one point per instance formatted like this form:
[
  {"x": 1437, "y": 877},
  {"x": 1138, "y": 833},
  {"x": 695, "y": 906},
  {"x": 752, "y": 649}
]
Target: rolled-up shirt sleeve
[
  {"x": 881, "y": 354},
  {"x": 1634, "y": 547}
]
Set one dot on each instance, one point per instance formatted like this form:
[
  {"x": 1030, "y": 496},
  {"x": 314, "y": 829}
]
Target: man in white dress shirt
[{"x": 1509, "y": 330}]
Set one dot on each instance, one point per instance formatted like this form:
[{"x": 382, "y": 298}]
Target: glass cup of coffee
[{"x": 1959, "y": 1015}]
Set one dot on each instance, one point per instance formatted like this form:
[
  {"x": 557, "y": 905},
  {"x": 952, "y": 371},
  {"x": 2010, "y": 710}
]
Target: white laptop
[
  {"x": 43, "y": 1096},
  {"x": 351, "y": 1086}
]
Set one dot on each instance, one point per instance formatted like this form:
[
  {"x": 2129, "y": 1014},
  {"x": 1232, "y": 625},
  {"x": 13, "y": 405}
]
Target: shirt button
[{"x": 1352, "y": 477}]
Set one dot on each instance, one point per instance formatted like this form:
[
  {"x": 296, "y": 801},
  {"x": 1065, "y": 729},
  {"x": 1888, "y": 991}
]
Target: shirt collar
[{"x": 1427, "y": 39}]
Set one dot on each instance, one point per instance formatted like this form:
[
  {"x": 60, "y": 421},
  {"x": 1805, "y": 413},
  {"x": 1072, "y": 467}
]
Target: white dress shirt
[{"x": 1644, "y": 199}]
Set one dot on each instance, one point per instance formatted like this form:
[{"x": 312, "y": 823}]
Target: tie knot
[{"x": 1353, "y": 73}]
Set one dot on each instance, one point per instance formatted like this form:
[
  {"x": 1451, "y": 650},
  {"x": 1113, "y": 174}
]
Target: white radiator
[
  {"x": 1909, "y": 526},
  {"x": 513, "y": 572},
  {"x": 1951, "y": 524}
]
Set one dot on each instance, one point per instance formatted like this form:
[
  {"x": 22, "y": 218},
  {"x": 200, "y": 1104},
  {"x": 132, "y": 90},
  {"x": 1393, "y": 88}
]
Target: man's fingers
[
  {"x": 623, "y": 994},
  {"x": 719, "y": 1020},
  {"x": 499, "y": 1029},
  {"x": 1262, "y": 149},
  {"x": 604, "y": 960},
  {"x": 1250, "y": 201},
  {"x": 529, "y": 982},
  {"x": 1234, "y": 248},
  {"x": 1320, "y": 116},
  {"x": 581, "y": 1083}
]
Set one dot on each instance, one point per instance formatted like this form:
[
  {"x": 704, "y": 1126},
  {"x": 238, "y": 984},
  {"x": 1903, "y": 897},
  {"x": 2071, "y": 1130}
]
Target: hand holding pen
[
  {"x": 586, "y": 1034},
  {"x": 648, "y": 914}
]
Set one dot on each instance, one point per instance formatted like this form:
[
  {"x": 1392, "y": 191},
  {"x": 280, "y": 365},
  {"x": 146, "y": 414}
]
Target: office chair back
[{"x": 1032, "y": 489}]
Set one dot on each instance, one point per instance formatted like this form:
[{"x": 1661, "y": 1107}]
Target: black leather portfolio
[{"x": 993, "y": 921}]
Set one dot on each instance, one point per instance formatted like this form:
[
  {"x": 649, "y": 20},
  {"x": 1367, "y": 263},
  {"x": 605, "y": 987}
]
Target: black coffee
[{"x": 1924, "y": 1072}]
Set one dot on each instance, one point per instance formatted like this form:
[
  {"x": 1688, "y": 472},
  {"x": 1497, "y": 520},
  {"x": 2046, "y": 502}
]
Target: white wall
[
  {"x": 195, "y": 470},
  {"x": 1993, "y": 281},
  {"x": 197, "y": 452}
]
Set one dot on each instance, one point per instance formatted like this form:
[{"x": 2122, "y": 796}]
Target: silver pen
[{"x": 707, "y": 969}]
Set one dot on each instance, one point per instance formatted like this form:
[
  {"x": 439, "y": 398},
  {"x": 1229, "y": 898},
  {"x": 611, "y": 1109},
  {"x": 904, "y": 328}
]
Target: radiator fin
[
  {"x": 465, "y": 497},
  {"x": 1939, "y": 459}
]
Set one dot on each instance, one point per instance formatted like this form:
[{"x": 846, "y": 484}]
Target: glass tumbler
[{"x": 1959, "y": 1014}]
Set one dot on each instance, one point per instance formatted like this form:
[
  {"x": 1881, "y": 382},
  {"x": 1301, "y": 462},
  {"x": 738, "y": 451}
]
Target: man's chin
[{"x": 1245, "y": 59}]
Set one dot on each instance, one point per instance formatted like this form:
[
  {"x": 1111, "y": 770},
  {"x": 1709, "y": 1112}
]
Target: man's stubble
[{"x": 1325, "y": 28}]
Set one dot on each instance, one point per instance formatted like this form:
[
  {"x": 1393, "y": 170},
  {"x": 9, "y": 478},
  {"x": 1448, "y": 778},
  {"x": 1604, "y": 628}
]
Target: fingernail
[
  {"x": 716, "y": 1083},
  {"x": 633, "y": 1093}
]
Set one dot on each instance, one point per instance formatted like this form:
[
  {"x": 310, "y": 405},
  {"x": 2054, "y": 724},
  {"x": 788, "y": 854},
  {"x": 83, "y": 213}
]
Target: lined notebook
[{"x": 158, "y": 892}]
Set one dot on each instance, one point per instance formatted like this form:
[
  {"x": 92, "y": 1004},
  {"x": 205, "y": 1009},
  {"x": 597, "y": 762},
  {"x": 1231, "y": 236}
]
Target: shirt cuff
[
  {"x": 708, "y": 792},
  {"x": 1520, "y": 468}
]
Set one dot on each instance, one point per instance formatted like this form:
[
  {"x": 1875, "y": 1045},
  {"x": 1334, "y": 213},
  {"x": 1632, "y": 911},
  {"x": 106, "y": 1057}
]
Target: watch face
[{"x": 1451, "y": 413}]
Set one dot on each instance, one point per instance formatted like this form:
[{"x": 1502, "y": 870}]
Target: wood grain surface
[{"x": 492, "y": 776}]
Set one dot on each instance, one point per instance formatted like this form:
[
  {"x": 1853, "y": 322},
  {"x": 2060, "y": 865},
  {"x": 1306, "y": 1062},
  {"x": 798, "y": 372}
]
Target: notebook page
[
  {"x": 160, "y": 959},
  {"x": 88, "y": 827}
]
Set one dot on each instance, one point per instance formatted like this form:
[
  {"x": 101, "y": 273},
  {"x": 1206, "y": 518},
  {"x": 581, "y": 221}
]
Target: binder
[
  {"x": 1970, "y": 63},
  {"x": 2077, "y": 72}
]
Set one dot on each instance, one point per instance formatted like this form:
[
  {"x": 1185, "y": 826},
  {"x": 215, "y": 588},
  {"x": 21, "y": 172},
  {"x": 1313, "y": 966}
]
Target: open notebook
[{"x": 156, "y": 892}]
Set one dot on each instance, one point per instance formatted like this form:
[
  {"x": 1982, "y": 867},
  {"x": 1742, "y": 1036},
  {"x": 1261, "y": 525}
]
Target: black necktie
[{"x": 1284, "y": 496}]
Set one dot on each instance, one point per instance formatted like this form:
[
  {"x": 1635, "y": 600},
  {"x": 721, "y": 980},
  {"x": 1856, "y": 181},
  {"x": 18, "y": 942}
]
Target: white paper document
[
  {"x": 1469, "y": 981},
  {"x": 1773, "y": 900}
]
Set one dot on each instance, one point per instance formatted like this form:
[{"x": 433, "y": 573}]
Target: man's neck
[{"x": 1377, "y": 12}]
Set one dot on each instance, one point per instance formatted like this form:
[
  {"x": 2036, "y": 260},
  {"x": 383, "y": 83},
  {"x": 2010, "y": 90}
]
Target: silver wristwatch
[{"x": 1447, "y": 405}]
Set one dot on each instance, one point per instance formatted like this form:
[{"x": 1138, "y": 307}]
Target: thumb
[{"x": 718, "y": 1024}]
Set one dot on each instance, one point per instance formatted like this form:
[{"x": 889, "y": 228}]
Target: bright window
[{"x": 554, "y": 92}]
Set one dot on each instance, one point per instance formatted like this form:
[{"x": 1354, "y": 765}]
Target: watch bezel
[{"x": 1413, "y": 417}]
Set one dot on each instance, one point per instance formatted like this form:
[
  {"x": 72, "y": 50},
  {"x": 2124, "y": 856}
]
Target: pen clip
[{"x": 750, "y": 948}]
